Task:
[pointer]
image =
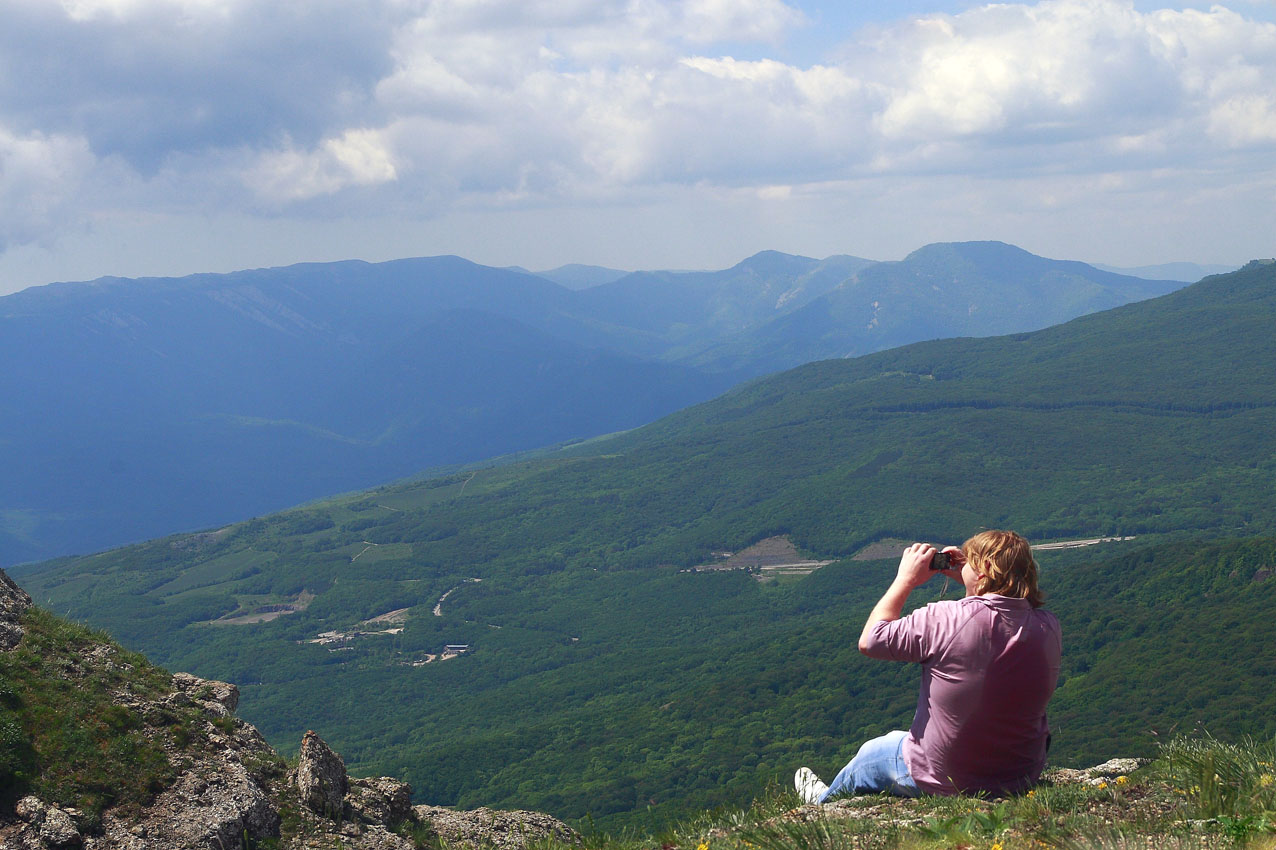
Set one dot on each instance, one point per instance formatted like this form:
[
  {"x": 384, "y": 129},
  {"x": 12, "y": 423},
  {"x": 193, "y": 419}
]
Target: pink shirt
[{"x": 989, "y": 666}]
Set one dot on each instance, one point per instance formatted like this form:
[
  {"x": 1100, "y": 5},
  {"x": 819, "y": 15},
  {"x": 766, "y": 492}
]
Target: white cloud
[
  {"x": 420, "y": 106},
  {"x": 708, "y": 21},
  {"x": 355, "y": 158},
  {"x": 1244, "y": 120},
  {"x": 39, "y": 178},
  {"x": 1059, "y": 67}
]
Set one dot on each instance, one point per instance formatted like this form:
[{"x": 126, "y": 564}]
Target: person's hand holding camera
[
  {"x": 949, "y": 561},
  {"x": 915, "y": 565},
  {"x": 922, "y": 560}
]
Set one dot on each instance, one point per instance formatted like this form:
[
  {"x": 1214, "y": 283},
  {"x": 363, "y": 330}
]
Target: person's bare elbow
[{"x": 864, "y": 644}]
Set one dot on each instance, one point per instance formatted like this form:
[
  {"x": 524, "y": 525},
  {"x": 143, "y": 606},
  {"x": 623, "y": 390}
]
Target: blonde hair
[{"x": 1004, "y": 560}]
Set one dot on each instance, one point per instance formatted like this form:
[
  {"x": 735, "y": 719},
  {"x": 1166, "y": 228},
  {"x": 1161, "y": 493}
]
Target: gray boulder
[
  {"x": 219, "y": 699},
  {"x": 487, "y": 828},
  {"x": 47, "y": 827},
  {"x": 321, "y": 777},
  {"x": 213, "y": 807},
  {"x": 382, "y": 800},
  {"x": 1100, "y": 774}
]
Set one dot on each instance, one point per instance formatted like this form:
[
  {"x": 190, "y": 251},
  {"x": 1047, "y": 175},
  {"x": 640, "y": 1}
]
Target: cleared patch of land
[
  {"x": 264, "y": 613},
  {"x": 888, "y": 547},
  {"x": 893, "y": 547},
  {"x": 398, "y": 615},
  {"x": 1077, "y": 544},
  {"x": 772, "y": 557},
  {"x": 227, "y": 567},
  {"x": 338, "y": 639}
]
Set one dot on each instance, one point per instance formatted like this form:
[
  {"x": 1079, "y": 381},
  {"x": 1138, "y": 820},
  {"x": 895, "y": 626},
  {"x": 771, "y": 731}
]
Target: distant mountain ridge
[
  {"x": 137, "y": 408},
  {"x": 577, "y": 276},
  {"x": 1187, "y": 272},
  {"x": 936, "y": 292}
]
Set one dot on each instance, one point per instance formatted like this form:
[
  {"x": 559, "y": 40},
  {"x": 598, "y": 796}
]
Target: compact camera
[{"x": 940, "y": 561}]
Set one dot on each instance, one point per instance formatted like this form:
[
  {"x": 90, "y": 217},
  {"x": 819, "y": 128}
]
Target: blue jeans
[{"x": 878, "y": 766}]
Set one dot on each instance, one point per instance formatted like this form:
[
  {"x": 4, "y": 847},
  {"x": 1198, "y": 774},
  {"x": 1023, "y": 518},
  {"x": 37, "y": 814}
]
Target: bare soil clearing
[
  {"x": 771, "y": 553},
  {"x": 398, "y": 615},
  {"x": 265, "y": 613}
]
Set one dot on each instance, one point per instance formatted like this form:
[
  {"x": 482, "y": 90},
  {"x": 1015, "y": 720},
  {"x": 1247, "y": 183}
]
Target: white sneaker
[{"x": 808, "y": 785}]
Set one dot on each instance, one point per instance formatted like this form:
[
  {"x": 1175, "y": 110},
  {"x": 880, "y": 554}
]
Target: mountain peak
[
  {"x": 775, "y": 262},
  {"x": 976, "y": 251}
]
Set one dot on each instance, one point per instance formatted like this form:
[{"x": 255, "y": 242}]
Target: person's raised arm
[{"x": 914, "y": 570}]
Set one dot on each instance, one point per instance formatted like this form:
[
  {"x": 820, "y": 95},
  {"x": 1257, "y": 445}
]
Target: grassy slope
[{"x": 64, "y": 738}]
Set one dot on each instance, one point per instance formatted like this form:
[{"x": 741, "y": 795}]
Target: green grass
[
  {"x": 218, "y": 570},
  {"x": 1159, "y": 806},
  {"x": 1234, "y": 783},
  {"x": 65, "y": 739}
]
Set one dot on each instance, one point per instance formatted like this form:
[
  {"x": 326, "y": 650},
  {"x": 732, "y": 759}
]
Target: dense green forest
[{"x": 602, "y": 677}]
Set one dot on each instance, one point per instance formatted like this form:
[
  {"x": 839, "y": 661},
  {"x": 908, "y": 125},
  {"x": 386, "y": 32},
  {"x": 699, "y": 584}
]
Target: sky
[{"x": 167, "y": 137}]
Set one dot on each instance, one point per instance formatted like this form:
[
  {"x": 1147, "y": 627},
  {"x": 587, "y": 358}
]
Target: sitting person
[{"x": 990, "y": 663}]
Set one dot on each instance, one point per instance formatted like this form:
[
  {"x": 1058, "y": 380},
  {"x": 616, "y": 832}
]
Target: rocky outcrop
[
  {"x": 46, "y": 827},
  {"x": 225, "y": 808},
  {"x": 216, "y": 698},
  {"x": 223, "y": 795},
  {"x": 376, "y": 814},
  {"x": 230, "y": 790},
  {"x": 219, "y": 800},
  {"x": 14, "y": 601},
  {"x": 487, "y": 828},
  {"x": 382, "y": 800},
  {"x": 320, "y": 777},
  {"x": 1100, "y": 774}
]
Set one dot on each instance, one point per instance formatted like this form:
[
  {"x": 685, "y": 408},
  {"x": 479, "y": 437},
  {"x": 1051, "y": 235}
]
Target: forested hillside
[{"x": 599, "y": 676}]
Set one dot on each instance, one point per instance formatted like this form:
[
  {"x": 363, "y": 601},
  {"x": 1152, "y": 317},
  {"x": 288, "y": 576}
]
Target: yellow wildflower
[
  {"x": 1102, "y": 785},
  {"x": 1121, "y": 780},
  {"x": 1032, "y": 793},
  {"x": 704, "y": 845},
  {"x": 996, "y": 845},
  {"x": 1265, "y": 780}
]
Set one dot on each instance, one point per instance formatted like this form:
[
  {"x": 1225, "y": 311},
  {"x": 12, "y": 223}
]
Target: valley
[
  {"x": 494, "y": 425},
  {"x": 624, "y": 685},
  {"x": 173, "y": 404}
]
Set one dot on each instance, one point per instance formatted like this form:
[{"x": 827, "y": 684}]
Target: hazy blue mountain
[
  {"x": 577, "y": 276},
  {"x": 135, "y": 408},
  {"x": 1187, "y": 272},
  {"x": 683, "y": 310},
  {"x": 939, "y": 291}
]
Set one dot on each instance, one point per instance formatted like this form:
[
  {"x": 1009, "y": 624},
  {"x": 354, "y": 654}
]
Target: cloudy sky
[{"x": 174, "y": 136}]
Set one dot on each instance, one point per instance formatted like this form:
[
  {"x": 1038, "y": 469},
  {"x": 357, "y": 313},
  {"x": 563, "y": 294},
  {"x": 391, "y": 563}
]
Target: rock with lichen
[
  {"x": 14, "y": 602},
  {"x": 510, "y": 830},
  {"x": 320, "y": 777}
]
